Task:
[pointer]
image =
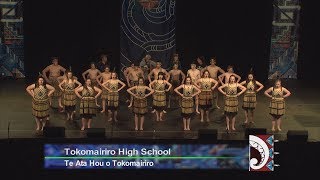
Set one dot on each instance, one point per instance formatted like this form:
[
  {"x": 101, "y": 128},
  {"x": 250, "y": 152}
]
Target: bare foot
[
  {"x": 115, "y": 120},
  {"x": 82, "y": 129},
  {"x": 38, "y": 128},
  {"x": 136, "y": 129},
  {"x": 130, "y": 105},
  {"x": 279, "y": 129},
  {"x": 273, "y": 130},
  {"x": 233, "y": 129},
  {"x": 201, "y": 120},
  {"x": 164, "y": 111},
  {"x": 197, "y": 111},
  {"x": 153, "y": 111},
  {"x": 141, "y": 129},
  {"x": 102, "y": 111},
  {"x": 217, "y": 107},
  {"x": 208, "y": 120},
  {"x": 110, "y": 119}
]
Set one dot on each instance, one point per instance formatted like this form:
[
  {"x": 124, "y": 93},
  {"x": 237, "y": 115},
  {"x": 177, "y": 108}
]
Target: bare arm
[
  {"x": 220, "y": 89},
  {"x": 169, "y": 84},
  {"x": 198, "y": 91},
  {"x": 215, "y": 84},
  {"x": 238, "y": 77},
  {"x": 51, "y": 89},
  {"x": 99, "y": 79},
  {"x": 243, "y": 89},
  {"x": 197, "y": 83},
  {"x": 44, "y": 73},
  {"x": 151, "y": 84},
  {"x": 167, "y": 75},
  {"x": 85, "y": 74},
  {"x": 60, "y": 85},
  {"x": 104, "y": 85},
  {"x": 149, "y": 76},
  {"x": 78, "y": 83},
  {"x": 130, "y": 91},
  {"x": 287, "y": 92},
  {"x": 183, "y": 77},
  {"x": 220, "y": 77},
  {"x": 221, "y": 71},
  {"x": 203, "y": 69},
  {"x": 98, "y": 90},
  {"x": 267, "y": 92},
  {"x": 128, "y": 81},
  {"x": 78, "y": 90},
  {"x": 177, "y": 90},
  {"x": 244, "y": 82},
  {"x": 123, "y": 85},
  {"x": 30, "y": 88},
  {"x": 151, "y": 91},
  {"x": 260, "y": 86},
  {"x": 62, "y": 69}
]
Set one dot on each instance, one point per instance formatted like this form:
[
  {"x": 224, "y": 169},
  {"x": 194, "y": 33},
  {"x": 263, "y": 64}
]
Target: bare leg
[
  {"x": 207, "y": 114},
  {"x": 201, "y": 115},
  {"x": 115, "y": 113},
  {"x": 188, "y": 124},
  {"x": 273, "y": 124},
  {"x": 227, "y": 120},
  {"x": 184, "y": 124},
  {"x": 136, "y": 122},
  {"x": 60, "y": 102},
  {"x": 279, "y": 124},
  {"x": 110, "y": 115},
  {"x": 197, "y": 104},
  {"x": 141, "y": 122},
  {"x": 157, "y": 116},
  {"x": 252, "y": 113},
  {"x": 71, "y": 117},
  {"x": 50, "y": 101},
  {"x": 131, "y": 101},
  {"x": 246, "y": 116},
  {"x": 38, "y": 123},
  {"x": 169, "y": 101},
  {"x": 103, "y": 102},
  {"x": 89, "y": 123},
  {"x": 233, "y": 121},
  {"x": 161, "y": 115},
  {"x": 215, "y": 99},
  {"x": 44, "y": 123},
  {"x": 68, "y": 116},
  {"x": 83, "y": 120}
]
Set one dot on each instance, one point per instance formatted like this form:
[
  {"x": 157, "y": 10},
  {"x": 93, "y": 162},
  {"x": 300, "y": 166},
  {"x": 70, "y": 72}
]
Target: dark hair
[
  {"x": 66, "y": 73},
  {"x": 201, "y": 58},
  {"x": 140, "y": 78},
  {"x": 213, "y": 58},
  {"x": 161, "y": 73},
  {"x": 159, "y": 62},
  {"x": 92, "y": 63},
  {"x": 115, "y": 74},
  {"x": 85, "y": 84},
  {"x": 188, "y": 77},
  {"x": 253, "y": 80},
  {"x": 204, "y": 72},
  {"x": 37, "y": 82},
  {"x": 54, "y": 58},
  {"x": 230, "y": 66},
  {"x": 232, "y": 76},
  {"x": 277, "y": 80}
]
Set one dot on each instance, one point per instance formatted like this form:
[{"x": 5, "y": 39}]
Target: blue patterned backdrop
[
  {"x": 11, "y": 40},
  {"x": 284, "y": 40},
  {"x": 147, "y": 27}
]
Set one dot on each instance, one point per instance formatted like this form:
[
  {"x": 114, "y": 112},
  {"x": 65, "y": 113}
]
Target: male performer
[
  {"x": 227, "y": 75},
  {"x": 92, "y": 74},
  {"x": 132, "y": 76},
  {"x": 194, "y": 74}
]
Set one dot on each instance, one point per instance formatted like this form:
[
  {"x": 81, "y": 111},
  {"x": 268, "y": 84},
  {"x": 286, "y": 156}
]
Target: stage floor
[{"x": 302, "y": 113}]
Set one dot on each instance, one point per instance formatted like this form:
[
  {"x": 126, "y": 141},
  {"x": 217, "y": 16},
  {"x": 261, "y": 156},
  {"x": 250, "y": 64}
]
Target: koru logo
[{"x": 261, "y": 153}]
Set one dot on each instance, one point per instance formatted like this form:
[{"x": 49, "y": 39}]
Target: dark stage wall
[{"x": 236, "y": 32}]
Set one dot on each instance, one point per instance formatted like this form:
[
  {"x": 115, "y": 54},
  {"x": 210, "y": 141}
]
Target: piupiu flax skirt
[
  {"x": 69, "y": 100},
  {"x": 140, "y": 106},
  {"x": 40, "y": 108},
  {"x": 88, "y": 107},
  {"x": 159, "y": 100},
  {"x": 104, "y": 94},
  {"x": 187, "y": 107},
  {"x": 231, "y": 105},
  {"x": 55, "y": 83},
  {"x": 113, "y": 101},
  {"x": 277, "y": 107},
  {"x": 249, "y": 101},
  {"x": 205, "y": 100}
]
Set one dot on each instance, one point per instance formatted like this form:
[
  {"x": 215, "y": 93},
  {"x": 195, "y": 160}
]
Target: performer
[
  {"x": 277, "y": 104},
  {"x": 103, "y": 63},
  {"x": 214, "y": 70},
  {"x": 40, "y": 93},
  {"x": 194, "y": 74},
  {"x": 102, "y": 78},
  {"x": 230, "y": 90},
  {"x": 175, "y": 74},
  {"x": 54, "y": 71},
  {"x": 92, "y": 74},
  {"x": 187, "y": 105},
  {"x": 140, "y": 106},
  {"x": 175, "y": 60},
  {"x": 88, "y": 102},
  {"x": 132, "y": 75},
  {"x": 112, "y": 85},
  {"x": 226, "y": 76},
  {"x": 250, "y": 99},
  {"x": 200, "y": 63},
  {"x": 159, "y": 95},
  {"x": 154, "y": 73},
  {"x": 147, "y": 65},
  {"x": 68, "y": 86},
  {"x": 206, "y": 85}
]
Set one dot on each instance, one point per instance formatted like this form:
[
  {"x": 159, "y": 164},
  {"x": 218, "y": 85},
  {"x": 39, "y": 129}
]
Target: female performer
[
  {"x": 40, "y": 93},
  {"x": 187, "y": 104},
  {"x": 230, "y": 90},
  {"x": 207, "y": 85},
  {"x": 67, "y": 86},
  {"x": 277, "y": 104},
  {"x": 250, "y": 99},
  {"x": 140, "y": 106},
  {"x": 112, "y": 85},
  {"x": 88, "y": 104},
  {"x": 159, "y": 95}
]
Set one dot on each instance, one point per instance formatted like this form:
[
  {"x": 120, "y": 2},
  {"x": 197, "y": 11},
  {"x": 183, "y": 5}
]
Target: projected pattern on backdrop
[
  {"x": 147, "y": 27},
  {"x": 11, "y": 40},
  {"x": 284, "y": 40}
]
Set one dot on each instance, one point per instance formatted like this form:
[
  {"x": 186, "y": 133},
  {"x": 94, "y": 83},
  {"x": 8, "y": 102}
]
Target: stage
[{"x": 301, "y": 114}]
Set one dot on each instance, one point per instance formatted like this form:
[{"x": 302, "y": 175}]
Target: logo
[{"x": 261, "y": 153}]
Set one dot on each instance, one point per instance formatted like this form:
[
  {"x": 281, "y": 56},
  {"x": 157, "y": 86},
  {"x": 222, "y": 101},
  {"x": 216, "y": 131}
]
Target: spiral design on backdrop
[{"x": 147, "y": 27}]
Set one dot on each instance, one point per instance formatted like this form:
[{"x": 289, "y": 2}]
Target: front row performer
[
  {"x": 68, "y": 86},
  {"x": 187, "y": 104},
  {"x": 40, "y": 93},
  {"x": 88, "y": 102},
  {"x": 277, "y": 104},
  {"x": 140, "y": 106},
  {"x": 230, "y": 90},
  {"x": 159, "y": 95},
  {"x": 207, "y": 85},
  {"x": 250, "y": 97}
]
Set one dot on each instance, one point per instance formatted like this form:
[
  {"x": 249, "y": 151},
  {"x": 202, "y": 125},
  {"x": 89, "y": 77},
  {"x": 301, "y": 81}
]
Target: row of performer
[{"x": 195, "y": 92}]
